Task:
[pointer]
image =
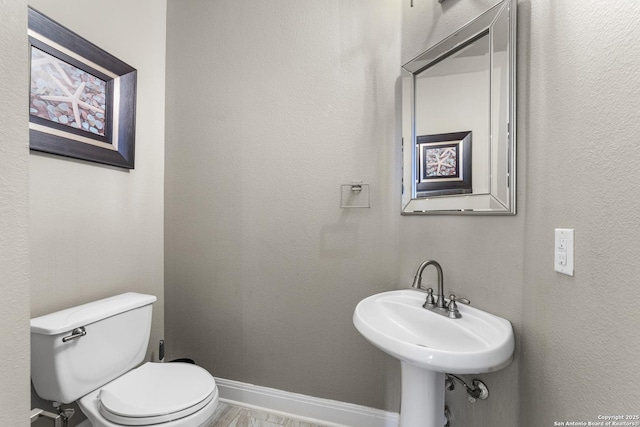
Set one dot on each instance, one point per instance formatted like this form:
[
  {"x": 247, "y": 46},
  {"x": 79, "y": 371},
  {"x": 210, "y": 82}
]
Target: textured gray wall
[
  {"x": 580, "y": 116},
  {"x": 14, "y": 200},
  {"x": 272, "y": 106}
]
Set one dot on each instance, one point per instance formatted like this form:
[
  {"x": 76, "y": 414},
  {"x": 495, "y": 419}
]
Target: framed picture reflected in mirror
[{"x": 444, "y": 164}]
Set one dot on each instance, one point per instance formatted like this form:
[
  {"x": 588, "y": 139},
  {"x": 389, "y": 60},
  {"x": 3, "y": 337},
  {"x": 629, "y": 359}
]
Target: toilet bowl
[
  {"x": 170, "y": 394},
  {"x": 89, "y": 354}
]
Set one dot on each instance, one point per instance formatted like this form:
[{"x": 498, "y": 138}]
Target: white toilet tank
[{"x": 117, "y": 334}]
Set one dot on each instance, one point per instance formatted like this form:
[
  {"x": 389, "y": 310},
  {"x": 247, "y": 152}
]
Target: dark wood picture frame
[
  {"x": 114, "y": 142},
  {"x": 458, "y": 180}
]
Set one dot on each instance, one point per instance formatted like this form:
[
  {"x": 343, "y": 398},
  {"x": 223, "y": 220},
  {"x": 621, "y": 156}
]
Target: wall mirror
[{"x": 458, "y": 120}]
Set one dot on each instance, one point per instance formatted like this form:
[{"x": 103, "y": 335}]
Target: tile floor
[{"x": 238, "y": 416}]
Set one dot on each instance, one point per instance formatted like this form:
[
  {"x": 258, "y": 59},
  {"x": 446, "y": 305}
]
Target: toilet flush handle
[{"x": 76, "y": 333}]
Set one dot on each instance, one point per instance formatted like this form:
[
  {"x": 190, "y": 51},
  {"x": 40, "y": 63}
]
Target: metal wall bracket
[{"x": 355, "y": 195}]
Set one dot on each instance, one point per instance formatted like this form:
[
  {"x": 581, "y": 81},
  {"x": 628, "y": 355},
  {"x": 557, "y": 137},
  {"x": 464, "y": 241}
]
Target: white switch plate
[{"x": 563, "y": 251}]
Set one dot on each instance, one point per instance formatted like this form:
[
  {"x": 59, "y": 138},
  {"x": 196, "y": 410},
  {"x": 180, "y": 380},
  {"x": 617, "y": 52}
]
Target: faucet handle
[
  {"x": 454, "y": 299},
  {"x": 454, "y": 313},
  {"x": 431, "y": 301}
]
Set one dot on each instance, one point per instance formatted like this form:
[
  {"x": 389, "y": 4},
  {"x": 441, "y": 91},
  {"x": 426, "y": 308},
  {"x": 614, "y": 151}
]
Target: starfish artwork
[
  {"x": 442, "y": 162},
  {"x": 65, "y": 94}
]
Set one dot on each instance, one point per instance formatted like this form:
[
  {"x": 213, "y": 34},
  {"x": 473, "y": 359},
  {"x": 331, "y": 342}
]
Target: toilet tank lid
[{"x": 66, "y": 320}]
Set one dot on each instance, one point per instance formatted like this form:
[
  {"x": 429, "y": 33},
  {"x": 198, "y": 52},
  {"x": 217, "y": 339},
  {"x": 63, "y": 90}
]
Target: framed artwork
[
  {"x": 444, "y": 164},
  {"x": 82, "y": 101}
]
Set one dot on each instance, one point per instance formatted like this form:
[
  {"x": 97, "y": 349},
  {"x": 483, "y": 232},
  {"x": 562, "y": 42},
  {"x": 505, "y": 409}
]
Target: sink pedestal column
[{"x": 422, "y": 400}]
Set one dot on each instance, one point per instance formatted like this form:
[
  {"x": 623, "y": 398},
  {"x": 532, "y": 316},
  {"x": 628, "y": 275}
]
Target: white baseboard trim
[{"x": 308, "y": 408}]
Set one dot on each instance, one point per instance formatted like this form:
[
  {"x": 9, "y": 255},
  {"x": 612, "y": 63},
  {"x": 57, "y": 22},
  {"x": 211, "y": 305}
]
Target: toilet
[{"x": 91, "y": 354}]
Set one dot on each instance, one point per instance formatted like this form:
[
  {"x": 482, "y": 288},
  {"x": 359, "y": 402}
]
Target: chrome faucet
[
  {"x": 417, "y": 280},
  {"x": 440, "y": 306}
]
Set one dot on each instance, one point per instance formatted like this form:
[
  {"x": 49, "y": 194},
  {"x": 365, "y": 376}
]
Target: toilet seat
[{"x": 156, "y": 393}]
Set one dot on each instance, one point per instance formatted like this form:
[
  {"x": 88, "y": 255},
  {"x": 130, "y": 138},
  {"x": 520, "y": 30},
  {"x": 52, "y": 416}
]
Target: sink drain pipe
[{"x": 478, "y": 390}]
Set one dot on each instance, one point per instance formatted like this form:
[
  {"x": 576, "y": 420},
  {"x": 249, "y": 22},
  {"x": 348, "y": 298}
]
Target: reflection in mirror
[
  {"x": 444, "y": 164},
  {"x": 458, "y": 116}
]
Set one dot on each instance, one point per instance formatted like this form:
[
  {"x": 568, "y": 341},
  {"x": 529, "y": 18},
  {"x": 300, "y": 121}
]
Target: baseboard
[{"x": 308, "y": 408}]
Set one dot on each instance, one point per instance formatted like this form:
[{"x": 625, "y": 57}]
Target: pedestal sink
[{"x": 430, "y": 345}]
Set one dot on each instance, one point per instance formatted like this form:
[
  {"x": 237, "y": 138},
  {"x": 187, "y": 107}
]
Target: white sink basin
[{"x": 396, "y": 323}]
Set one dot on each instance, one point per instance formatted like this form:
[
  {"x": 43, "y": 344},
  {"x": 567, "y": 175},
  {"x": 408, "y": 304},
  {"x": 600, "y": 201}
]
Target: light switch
[{"x": 563, "y": 251}]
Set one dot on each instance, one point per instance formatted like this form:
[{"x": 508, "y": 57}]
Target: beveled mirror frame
[{"x": 502, "y": 168}]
